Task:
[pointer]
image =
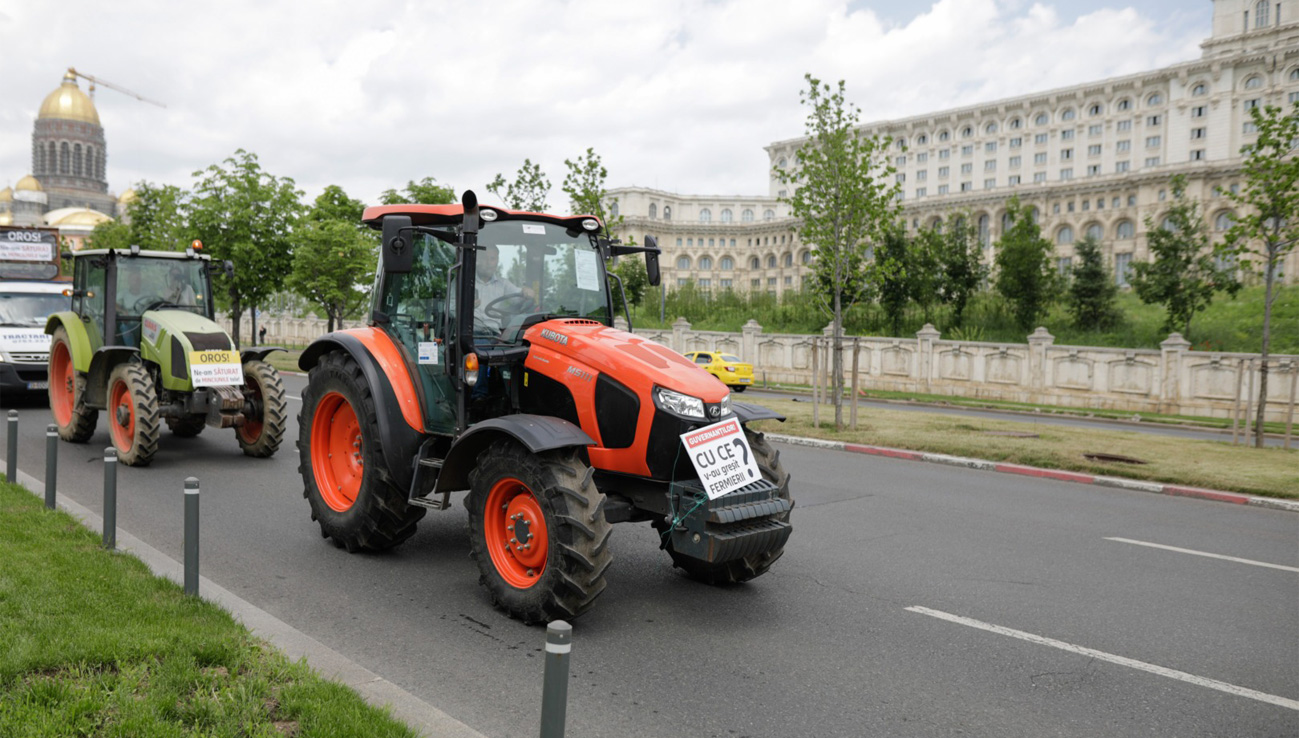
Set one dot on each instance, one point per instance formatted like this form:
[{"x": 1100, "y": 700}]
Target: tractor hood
[
  {"x": 630, "y": 359},
  {"x": 195, "y": 330}
]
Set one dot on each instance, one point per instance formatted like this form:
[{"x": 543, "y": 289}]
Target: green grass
[
  {"x": 285, "y": 361},
  {"x": 96, "y": 645},
  {"x": 1271, "y": 472}
]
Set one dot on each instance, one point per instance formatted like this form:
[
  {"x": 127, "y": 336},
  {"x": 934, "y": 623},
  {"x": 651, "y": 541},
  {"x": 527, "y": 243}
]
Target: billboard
[{"x": 29, "y": 253}]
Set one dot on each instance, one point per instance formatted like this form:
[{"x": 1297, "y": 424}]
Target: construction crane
[{"x": 96, "y": 81}]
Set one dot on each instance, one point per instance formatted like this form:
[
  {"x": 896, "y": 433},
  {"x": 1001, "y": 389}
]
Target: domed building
[{"x": 69, "y": 156}]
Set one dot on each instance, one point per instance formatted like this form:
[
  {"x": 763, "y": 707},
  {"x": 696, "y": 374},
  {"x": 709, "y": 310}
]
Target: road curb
[
  {"x": 1135, "y": 485},
  {"x": 330, "y": 664}
]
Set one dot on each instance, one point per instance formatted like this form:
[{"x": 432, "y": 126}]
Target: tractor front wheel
[
  {"x": 749, "y": 567},
  {"x": 133, "y": 414},
  {"x": 537, "y": 531},
  {"x": 76, "y": 422},
  {"x": 342, "y": 464},
  {"x": 263, "y": 428}
]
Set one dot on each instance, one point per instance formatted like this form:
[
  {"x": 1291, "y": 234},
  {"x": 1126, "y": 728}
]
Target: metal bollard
[
  {"x": 110, "y": 498},
  {"x": 191, "y": 536},
  {"x": 554, "y": 688},
  {"x": 51, "y": 463},
  {"x": 11, "y": 456}
]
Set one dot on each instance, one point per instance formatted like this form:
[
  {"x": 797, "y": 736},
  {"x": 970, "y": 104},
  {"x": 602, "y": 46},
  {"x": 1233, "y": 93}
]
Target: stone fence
[{"x": 1173, "y": 380}]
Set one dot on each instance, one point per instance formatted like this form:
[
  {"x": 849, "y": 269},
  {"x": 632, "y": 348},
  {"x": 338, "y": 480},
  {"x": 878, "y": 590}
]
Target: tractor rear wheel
[
  {"x": 76, "y": 422},
  {"x": 537, "y": 531},
  {"x": 187, "y": 426},
  {"x": 133, "y": 414},
  {"x": 749, "y": 567},
  {"x": 263, "y": 430},
  {"x": 342, "y": 465}
]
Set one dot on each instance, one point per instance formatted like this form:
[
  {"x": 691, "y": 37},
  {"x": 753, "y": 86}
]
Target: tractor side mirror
[
  {"x": 652, "y": 260},
  {"x": 230, "y": 268},
  {"x": 397, "y": 254}
]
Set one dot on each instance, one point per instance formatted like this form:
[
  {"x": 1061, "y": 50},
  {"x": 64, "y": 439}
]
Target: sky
[{"x": 678, "y": 95}]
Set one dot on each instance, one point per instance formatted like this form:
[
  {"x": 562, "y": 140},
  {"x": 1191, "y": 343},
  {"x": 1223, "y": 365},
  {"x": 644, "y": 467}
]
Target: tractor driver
[
  {"x": 179, "y": 291},
  {"x": 130, "y": 289},
  {"x": 490, "y": 286}
]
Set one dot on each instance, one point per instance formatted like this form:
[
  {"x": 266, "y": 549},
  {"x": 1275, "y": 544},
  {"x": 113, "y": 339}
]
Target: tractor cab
[{"x": 114, "y": 289}]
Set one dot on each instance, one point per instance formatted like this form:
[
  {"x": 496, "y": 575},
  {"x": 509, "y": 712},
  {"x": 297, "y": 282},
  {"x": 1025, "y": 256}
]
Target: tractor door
[
  {"x": 89, "y": 278},
  {"x": 418, "y": 306}
]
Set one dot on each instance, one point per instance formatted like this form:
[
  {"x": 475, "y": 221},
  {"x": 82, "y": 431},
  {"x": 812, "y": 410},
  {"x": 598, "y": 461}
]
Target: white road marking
[
  {"x": 293, "y": 397},
  {"x": 1203, "y": 553},
  {"x": 1120, "y": 660}
]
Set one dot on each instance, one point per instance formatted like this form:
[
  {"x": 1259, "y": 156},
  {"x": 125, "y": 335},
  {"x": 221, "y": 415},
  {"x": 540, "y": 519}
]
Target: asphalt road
[
  {"x": 913, "y": 600},
  {"x": 1072, "y": 421}
]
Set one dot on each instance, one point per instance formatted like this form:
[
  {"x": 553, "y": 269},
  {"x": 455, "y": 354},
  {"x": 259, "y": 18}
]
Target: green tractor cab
[{"x": 141, "y": 342}]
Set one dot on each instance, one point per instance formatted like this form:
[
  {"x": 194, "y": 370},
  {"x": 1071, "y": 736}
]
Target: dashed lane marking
[{"x": 1192, "y": 552}]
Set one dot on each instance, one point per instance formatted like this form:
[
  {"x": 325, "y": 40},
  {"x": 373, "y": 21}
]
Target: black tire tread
[
  {"x": 82, "y": 425},
  {"x": 148, "y": 426},
  {"x": 275, "y": 410}
]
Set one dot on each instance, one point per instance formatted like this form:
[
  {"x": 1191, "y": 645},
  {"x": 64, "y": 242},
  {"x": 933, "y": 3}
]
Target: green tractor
[{"x": 140, "y": 342}]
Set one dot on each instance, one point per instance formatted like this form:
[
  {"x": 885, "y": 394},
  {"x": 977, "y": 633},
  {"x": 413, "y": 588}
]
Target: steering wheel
[
  {"x": 500, "y": 308},
  {"x": 148, "y": 302}
]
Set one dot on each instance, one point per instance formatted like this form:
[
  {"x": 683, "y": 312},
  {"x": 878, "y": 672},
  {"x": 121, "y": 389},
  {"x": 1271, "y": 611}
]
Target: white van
[{"x": 24, "y": 346}]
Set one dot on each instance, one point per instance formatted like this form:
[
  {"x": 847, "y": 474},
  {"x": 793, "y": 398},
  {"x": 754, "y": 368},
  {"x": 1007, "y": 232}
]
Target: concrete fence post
[
  {"x": 925, "y": 338},
  {"x": 1173, "y": 352},
  {"x": 1038, "y": 342},
  {"x": 749, "y": 333},
  {"x": 554, "y": 686}
]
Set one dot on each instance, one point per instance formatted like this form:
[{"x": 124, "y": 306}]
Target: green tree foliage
[
  {"x": 891, "y": 266},
  {"x": 924, "y": 270},
  {"x": 635, "y": 281},
  {"x": 333, "y": 266},
  {"x": 1270, "y": 200},
  {"x": 334, "y": 204},
  {"x": 527, "y": 192},
  {"x": 248, "y": 216},
  {"x": 155, "y": 220},
  {"x": 960, "y": 266},
  {"x": 1092, "y": 293},
  {"x": 424, "y": 192},
  {"x": 1182, "y": 274},
  {"x": 584, "y": 185},
  {"x": 845, "y": 198},
  {"x": 110, "y": 234},
  {"x": 1024, "y": 274}
]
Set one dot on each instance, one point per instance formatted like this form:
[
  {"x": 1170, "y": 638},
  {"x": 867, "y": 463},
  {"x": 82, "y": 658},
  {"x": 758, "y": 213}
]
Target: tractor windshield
[
  {"x": 525, "y": 268},
  {"x": 145, "y": 283}
]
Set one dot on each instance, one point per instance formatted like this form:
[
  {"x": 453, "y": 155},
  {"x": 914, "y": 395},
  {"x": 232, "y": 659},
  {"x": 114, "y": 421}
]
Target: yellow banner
[{"x": 206, "y": 358}]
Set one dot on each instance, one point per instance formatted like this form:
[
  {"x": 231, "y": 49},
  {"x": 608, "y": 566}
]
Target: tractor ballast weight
[
  {"x": 489, "y": 363},
  {"x": 141, "y": 342}
]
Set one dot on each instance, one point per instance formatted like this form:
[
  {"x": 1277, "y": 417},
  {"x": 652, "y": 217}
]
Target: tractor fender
[
  {"x": 399, "y": 441},
  {"x": 748, "y": 413},
  {"x": 77, "y": 335},
  {"x": 536, "y": 433},
  {"x": 102, "y": 364},
  {"x": 258, "y": 354}
]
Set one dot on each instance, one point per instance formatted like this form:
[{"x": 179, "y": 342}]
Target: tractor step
[{"x": 436, "y": 502}]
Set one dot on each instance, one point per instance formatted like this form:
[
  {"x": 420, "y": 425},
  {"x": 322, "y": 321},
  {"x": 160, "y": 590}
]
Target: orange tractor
[{"x": 490, "y": 364}]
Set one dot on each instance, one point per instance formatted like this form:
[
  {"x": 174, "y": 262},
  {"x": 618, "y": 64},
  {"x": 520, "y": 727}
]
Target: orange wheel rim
[
  {"x": 251, "y": 430},
  {"x": 515, "y": 530},
  {"x": 121, "y": 411},
  {"x": 63, "y": 386},
  {"x": 337, "y": 452}
]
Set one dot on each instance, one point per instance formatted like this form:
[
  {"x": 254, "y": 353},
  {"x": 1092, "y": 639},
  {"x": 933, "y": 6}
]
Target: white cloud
[{"x": 676, "y": 94}]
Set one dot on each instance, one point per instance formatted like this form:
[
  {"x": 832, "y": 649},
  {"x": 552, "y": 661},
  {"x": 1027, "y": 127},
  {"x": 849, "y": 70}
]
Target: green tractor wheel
[
  {"x": 133, "y": 415},
  {"x": 263, "y": 430}
]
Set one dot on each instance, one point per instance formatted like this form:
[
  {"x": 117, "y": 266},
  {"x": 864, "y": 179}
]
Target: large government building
[
  {"x": 1092, "y": 159},
  {"x": 67, "y": 187}
]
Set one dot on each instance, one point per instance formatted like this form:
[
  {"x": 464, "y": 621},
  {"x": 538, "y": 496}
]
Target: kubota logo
[{"x": 558, "y": 338}]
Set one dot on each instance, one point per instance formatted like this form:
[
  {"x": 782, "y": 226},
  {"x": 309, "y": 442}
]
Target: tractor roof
[
  {"x": 450, "y": 215},
  {"x": 148, "y": 254}
]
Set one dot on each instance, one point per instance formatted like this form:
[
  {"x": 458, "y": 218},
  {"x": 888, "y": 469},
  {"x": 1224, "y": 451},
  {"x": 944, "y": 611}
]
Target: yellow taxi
[{"x": 734, "y": 373}]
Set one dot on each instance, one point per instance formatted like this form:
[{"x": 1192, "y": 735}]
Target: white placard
[
  {"x": 588, "y": 270},
  {"x": 428, "y": 352},
  {"x": 215, "y": 368},
  {"x": 722, "y": 457},
  {"x": 534, "y": 228},
  {"x": 14, "y": 250}
]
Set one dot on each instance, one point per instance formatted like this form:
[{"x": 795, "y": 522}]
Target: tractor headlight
[{"x": 675, "y": 402}]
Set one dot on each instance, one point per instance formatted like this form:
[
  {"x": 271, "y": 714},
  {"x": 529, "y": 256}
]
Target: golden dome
[
  {"x": 6, "y": 219},
  {"x": 69, "y": 103},
  {"x": 7, "y": 194},
  {"x": 64, "y": 217},
  {"x": 127, "y": 197},
  {"x": 28, "y": 183}
]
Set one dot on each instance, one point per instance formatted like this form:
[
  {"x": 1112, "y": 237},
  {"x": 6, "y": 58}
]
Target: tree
[
  {"x": 110, "y": 234},
  {"x": 924, "y": 270},
  {"x": 248, "y": 216},
  {"x": 1024, "y": 274},
  {"x": 584, "y": 185},
  {"x": 333, "y": 265},
  {"x": 157, "y": 217},
  {"x": 528, "y": 191},
  {"x": 1182, "y": 274},
  {"x": 960, "y": 266},
  {"x": 1092, "y": 290},
  {"x": 425, "y": 192},
  {"x": 635, "y": 281},
  {"x": 334, "y": 204},
  {"x": 1270, "y": 198},
  {"x": 845, "y": 198},
  {"x": 891, "y": 266}
]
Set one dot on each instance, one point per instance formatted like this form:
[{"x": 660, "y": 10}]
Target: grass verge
[
  {"x": 96, "y": 645},
  {"x": 1270, "y": 472},
  {"x": 285, "y": 361}
]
